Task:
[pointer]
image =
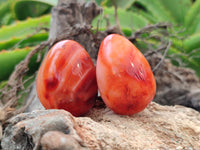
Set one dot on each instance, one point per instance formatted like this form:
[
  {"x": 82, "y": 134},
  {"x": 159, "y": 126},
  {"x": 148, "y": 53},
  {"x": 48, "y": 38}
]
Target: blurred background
[{"x": 25, "y": 23}]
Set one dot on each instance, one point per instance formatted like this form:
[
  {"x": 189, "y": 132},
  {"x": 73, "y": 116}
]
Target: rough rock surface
[{"x": 157, "y": 127}]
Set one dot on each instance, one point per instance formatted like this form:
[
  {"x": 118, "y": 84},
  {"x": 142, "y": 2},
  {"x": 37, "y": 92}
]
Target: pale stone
[{"x": 157, "y": 127}]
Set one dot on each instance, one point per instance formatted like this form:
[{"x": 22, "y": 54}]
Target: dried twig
[
  {"x": 149, "y": 53},
  {"x": 174, "y": 74},
  {"x": 116, "y": 17},
  {"x": 22, "y": 109},
  {"x": 9, "y": 92},
  {"x": 148, "y": 28},
  {"x": 165, "y": 52}
]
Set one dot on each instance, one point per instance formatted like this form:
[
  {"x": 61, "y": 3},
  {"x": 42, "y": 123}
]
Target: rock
[
  {"x": 25, "y": 130},
  {"x": 175, "y": 85},
  {"x": 157, "y": 127},
  {"x": 56, "y": 140}
]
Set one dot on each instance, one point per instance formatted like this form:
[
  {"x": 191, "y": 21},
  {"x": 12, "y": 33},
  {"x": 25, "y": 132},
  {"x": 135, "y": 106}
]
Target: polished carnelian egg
[
  {"x": 67, "y": 79},
  {"x": 124, "y": 77}
]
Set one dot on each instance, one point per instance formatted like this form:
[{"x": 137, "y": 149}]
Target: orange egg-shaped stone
[
  {"x": 124, "y": 77},
  {"x": 67, "y": 79}
]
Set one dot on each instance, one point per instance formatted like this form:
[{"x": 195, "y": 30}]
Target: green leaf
[
  {"x": 192, "y": 15},
  {"x": 3, "y": 83},
  {"x": 9, "y": 59},
  {"x": 31, "y": 8},
  {"x": 124, "y": 4},
  {"x": 18, "y": 42},
  {"x": 2, "y": 1},
  {"x": 148, "y": 16},
  {"x": 5, "y": 13},
  {"x": 4, "y": 9},
  {"x": 187, "y": 60},
  {"x": 195, "y": 55},
  {"x": 7, "y": 19},
  {"x": 177, "y": 8},
  {"x": 156, "y": 8},
  {"x": 97, "y": 1},
  {"x": 120, "y": 3},
  {"x": 23, "y": 28},
  {"x": 48, "y": 2},
  {"x": 194, "y": 27},
  {"x": 177, "y": 43},
  {"x": 192, "y": 42}
]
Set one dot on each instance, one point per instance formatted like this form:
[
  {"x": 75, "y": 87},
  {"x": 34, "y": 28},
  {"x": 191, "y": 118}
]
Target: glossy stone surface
[
  {"x": 124, "y": 77},
  {"x": 67, "y": 79}
]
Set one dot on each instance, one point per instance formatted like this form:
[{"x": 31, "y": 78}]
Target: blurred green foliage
[
  {"x": 20, "y": 23},
  {"x": 19, "y": 19},
  {"x": 23, "y": 25},
  {"x": 183, "y": 15}
]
